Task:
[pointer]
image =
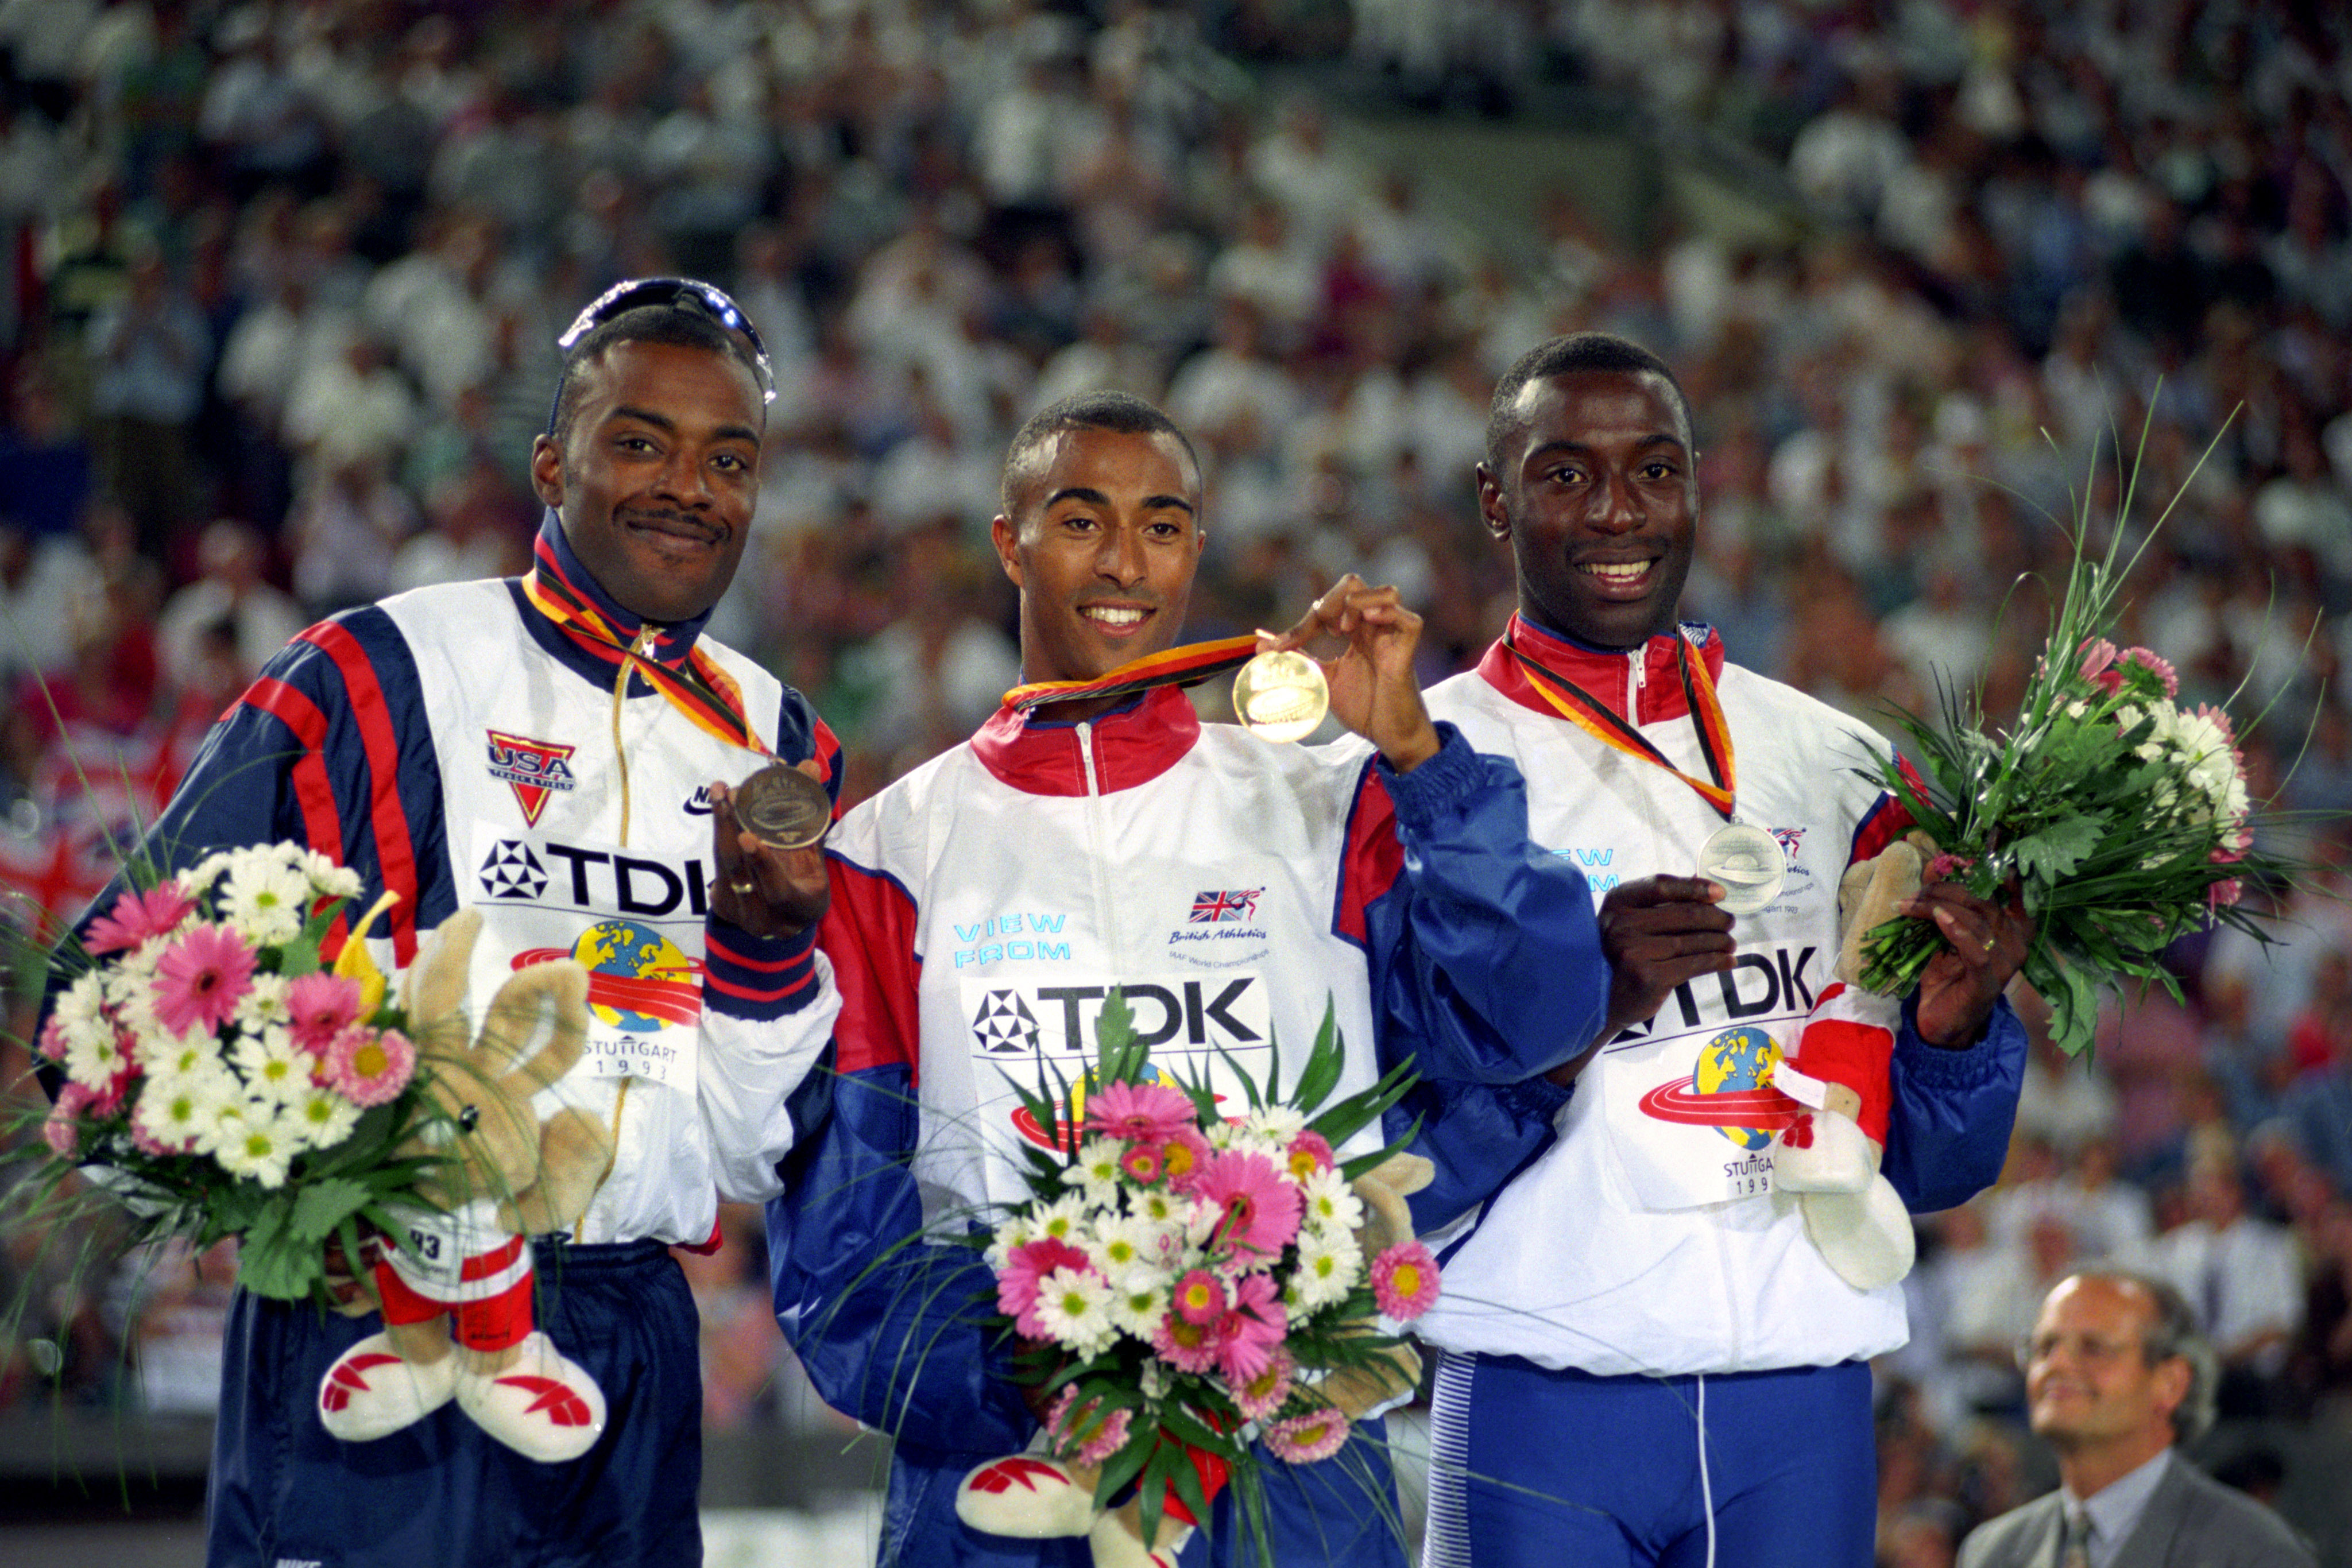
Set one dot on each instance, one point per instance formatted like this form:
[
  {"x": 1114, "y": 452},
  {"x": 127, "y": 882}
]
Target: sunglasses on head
[{"x": 687, "y": 293}]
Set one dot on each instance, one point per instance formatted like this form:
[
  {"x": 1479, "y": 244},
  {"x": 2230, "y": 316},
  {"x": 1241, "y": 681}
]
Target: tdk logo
[
  {"x": 1224, "y": 1012},
  {"x": 1755, "y": 986},
  {"x": 608, "y": 881}
]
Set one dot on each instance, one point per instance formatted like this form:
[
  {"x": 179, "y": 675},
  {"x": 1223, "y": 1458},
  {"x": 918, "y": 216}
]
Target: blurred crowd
[{"x": 282, "y": 281}]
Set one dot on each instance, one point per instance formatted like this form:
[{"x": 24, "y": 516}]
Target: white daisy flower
[
  {"x": 323, "y": 1117},
  {"x": 265, "y": 901},
  {"x": 1123, "y": 1244},
  {"x": 94, "y": 1056},
  {"x": 199, "y": 878},
  {"x": 1328, "y": 1268},
  {"x": 1330, "y": 1203},
  {"x": 1073, "y": 1309},
  {"x": 261, "y": 1146},
  {"x": 1139, "y": 1299},
  {"x": 1157, "y": 1205},
  {"x": 328, "y": 879},
  {"x": 1064, "y": 1219},
  {"x": 265, "y": 1005},
  {"x": 162, "y": 1055},
  {"x": 273, "y": 1069},
  {"x": 172, "y": 1110},
  {"x": 1097, "y": 1172},
  {"x": 1277, "y": 1124}
]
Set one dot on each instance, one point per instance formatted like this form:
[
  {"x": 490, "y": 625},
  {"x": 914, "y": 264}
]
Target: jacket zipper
[{"x": 1097, "y": 852}]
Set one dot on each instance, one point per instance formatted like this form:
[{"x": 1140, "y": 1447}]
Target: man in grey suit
[{"x": 2115, "y": 1375}]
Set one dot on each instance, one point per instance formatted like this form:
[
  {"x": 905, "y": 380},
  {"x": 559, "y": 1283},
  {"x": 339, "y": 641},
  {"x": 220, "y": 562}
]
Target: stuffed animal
[
  {"x": 1830, "y": 1154},
  {"x": 1034, "y": 1498},
  {"x": 455, "y": 1286}
]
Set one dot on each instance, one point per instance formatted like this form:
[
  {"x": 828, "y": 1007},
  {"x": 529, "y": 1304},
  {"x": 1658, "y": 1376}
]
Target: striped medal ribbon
[{"x": 1185, "y": 666}]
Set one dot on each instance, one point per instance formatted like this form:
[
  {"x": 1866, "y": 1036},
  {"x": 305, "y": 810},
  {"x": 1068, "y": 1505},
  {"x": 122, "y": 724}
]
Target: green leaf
[
  {"x": 320, "y": 1206},
  {"x": 2052, "y": 855},
  {"x": 1324, "y": 1062}
]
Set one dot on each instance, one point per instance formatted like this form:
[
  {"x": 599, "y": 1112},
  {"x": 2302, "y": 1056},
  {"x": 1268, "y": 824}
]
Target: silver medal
[
  {"x": 784, "y": 808},
  {"x": 1281, "y": 695},
  {"x": 1748, "y": 863}
]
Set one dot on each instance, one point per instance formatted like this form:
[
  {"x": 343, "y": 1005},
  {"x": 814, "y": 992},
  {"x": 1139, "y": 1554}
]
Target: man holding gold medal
[
  {"x": 1095, "y": 834},
  {"x": 1641, "y": 1288}
]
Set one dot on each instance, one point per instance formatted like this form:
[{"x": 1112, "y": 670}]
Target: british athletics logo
[
  {"x": 1215, "y": 907},
  {"x": 532, "y": 768}
]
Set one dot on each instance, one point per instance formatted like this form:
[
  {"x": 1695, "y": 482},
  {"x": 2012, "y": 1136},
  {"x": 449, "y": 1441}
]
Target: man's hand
[
  {"x": 1987, "y": 944},
  {"x": 1656, "y": 933},
  {"x": 1374, "y": 689},
  {"x": 767, "y": 891}
]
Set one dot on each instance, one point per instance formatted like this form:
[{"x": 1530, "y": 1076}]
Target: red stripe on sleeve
[
  {"x": 869, "y": 935},
  {"x": 393, "y": 851},
  {"x": 322, "y": 822},
  {"x": 1889, "y": 819},
  {"x": 1373, "y": 858}
]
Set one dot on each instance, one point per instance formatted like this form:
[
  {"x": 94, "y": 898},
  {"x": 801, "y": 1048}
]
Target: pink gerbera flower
[
  {"x": 1187, "y": 1348},
  {"x": 1026, "y": 1266},
  {"x": 1144, "y": 1112},
  {"x": 2097, "y": 665},
  {"x": 1304, "y": 1440},
  {"x": 369, "y": 1067},
  {"x": 1309, "y": 1153},
  {"x": 1260, "y": 1208},
  {"x": 202, "y": 978},
  {"x": 1181, "y": 1157},
  {"x": 62, "y": 1130},
  {"x": 136, "y": 917},
  {"x": 1405, "y": 1280},
  {"x": 1199, "y": 1298},
  {"x": 1089, "y": 1437},
  {"x": 1248, "y": 1336},
  {"x": 319, "y": 1007},
  {"x": 1257, "y": 1398},
  {"x": 2155, "y": 664},
  {"x": 1143, "y": 1163}
]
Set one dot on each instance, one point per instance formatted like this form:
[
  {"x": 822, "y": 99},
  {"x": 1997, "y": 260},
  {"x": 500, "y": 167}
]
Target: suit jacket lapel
[{"x": 2149, "y": 1545}]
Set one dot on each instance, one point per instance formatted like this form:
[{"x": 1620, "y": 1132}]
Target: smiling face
[
  {"x": 1102, "y": 540},
  {"x": 1597, "y": 494},
  {"x": 656, "y": 474},
  {"x": 2088, "y": 1381}
]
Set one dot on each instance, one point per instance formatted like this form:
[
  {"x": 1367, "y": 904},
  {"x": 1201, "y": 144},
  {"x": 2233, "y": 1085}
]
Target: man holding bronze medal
[
  {"x": 1639, "y": 1289},
  {"x": 1095, "y": 834},
  {"x": 555, "y": 752}
]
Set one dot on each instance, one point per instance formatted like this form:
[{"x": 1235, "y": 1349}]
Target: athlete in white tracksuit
[
  {"x": 1231, "y": 888},
  {"x": 1639, "y": 1289}
]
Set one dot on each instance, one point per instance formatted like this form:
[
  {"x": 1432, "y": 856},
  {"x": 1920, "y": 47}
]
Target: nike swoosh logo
[{"x": 697, "y": 807}]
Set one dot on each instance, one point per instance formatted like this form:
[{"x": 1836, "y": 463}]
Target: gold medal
[
  {"x": 1281, "y": 695},
  {"x": 784, "y": 808},
  {"x": 1747, "y": 861}
]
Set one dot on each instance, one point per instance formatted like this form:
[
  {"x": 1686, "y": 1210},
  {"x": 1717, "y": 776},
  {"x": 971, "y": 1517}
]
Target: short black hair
[
  {"x": 1559, "y": 357},
  {"x": 668, "y": 324},
  {"x": 1123, "y": 413}
]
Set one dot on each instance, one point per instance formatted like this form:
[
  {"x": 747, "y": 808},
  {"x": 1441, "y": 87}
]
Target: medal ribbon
[
  {"x": 1185, "y": 666},
  {"x": 1589, "y": 713},
  {"x": 697, "y": 686}
]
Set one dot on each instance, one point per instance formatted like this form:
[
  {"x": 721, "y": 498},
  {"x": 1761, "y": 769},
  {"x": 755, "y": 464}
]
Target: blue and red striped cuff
[{"x": 750, "y": 977}]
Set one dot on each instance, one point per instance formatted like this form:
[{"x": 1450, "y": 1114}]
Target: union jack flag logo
[{"x": 1210, "y": 908}]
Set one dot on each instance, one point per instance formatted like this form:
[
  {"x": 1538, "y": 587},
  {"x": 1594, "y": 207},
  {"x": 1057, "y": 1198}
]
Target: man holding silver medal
[
  {"x": 1639, "y": 1288},
  {"x": 1095, "y": 834},
  {"x": 553, "y": 752}
]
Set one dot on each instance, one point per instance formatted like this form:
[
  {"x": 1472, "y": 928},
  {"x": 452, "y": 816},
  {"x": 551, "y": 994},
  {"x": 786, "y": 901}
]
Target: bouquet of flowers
[
  {"x": 1186, "y": 1284},
  {"x": 226, "y": 1082},
  {"x": 2120, "y": 817}
]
